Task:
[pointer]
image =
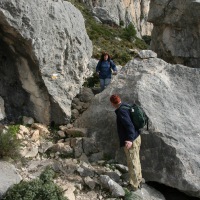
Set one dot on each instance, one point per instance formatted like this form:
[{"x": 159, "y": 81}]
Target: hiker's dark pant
[{"x": 104, "y": 83}]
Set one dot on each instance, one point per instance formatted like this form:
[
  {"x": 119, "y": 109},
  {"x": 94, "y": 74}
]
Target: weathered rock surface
[
  {"x": 176, "y": 33},
  {"x": 170, "y": 96},
  {"x": 147, "y": 193},
  {"x": 44, "y": 51},
  {"x": 135, "y": 11},
  {"x": 2, "y": 109},
  {"x": 115, "y": 189},
  {"x": 9, "y": 176},
  {"x": 150, "y": 193}
]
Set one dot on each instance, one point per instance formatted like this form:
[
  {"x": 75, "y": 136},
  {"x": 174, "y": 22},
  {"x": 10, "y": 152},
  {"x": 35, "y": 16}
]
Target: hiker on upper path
[
  {"x": 129, "y": 139},
  {"x": 104, "y": 70}
]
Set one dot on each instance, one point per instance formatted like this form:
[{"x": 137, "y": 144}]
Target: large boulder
[
  {"x": 44, "y": 52},
  {"x": 169, "y": 94},
  {"x": 123, "y": 11},
  {"x": 176, "y": 33}
]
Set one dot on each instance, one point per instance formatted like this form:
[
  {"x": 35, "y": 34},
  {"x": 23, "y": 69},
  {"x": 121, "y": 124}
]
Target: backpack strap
[{"x": 147, "y": 123}]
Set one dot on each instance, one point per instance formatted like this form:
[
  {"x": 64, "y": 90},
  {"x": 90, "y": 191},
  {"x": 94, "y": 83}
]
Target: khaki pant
[{"x": 133, "y": 162}]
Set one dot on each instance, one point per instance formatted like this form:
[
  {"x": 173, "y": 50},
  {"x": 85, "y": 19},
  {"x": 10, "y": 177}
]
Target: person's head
[
  {"x": 115, "y": 100},
  {"x": 105, "y": 56}
]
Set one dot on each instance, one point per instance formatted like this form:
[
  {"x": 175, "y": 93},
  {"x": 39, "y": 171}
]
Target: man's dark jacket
[{"x": 125, "y": 127}]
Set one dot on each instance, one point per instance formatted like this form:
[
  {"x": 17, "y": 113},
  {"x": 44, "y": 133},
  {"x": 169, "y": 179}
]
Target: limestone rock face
[
  {"x": 176, "y": 33},
  {"x": 169, "y": 94},
  {"x": 44, "y": 52},
  {"x": 114, "y": 12}
]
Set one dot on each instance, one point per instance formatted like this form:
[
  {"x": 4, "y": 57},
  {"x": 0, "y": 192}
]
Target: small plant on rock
[
  {"x": 9, "y": 144},
  {"x": 129, "y": 32}
]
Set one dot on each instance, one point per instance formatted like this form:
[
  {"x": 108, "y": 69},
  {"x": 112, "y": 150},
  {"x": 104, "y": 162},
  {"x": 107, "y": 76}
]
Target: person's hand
[
  {"x": 128, "y": 144},
  {"x": 97, "y": 73}
]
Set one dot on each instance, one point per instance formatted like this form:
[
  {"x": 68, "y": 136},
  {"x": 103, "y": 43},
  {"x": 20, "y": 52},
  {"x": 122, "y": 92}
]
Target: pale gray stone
[
  {"x": 27, "y": 120},
  {"x": 85, "y": 171},
  {"x": 89, "y": 182},
  {"x": 114, "y": 176},
  {"x": 44, "y": 146},
  {"x": 61, "y": 134},
  {"x": 147, "y": 54},
  {"x": 115, "y": 189},
  {"x": 2, "y": 109},
  {"x": 9, "y": 176},
  {"x": 29, "y": 151},
  {"x": 121, "y": 168}
]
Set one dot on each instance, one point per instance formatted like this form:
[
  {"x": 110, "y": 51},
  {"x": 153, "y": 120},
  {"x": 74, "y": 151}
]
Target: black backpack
[{"x": 138, "y": 116}]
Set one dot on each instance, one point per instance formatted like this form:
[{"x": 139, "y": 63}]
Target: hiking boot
[
  {"x": 141, "y": 183},
  {"x": 132, "y": 188}
]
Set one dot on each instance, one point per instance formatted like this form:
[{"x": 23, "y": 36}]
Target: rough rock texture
[
  {"x": 135, "y": 11},
  {"x": 150, "y": 193},
  {"x": 44, "y": 51},
  {"x": 9, "y": 177},
  {"x": 2, "y": 109},
  {"x": 170, "y": 95},
  {"x": 176, "y": 32},
  {"x": 115, "y": 189}
]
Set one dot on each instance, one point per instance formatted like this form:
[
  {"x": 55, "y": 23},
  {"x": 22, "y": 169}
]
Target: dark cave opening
[
  {"x": 170, "y": 193},
  {"x": 16, "y": 99}
]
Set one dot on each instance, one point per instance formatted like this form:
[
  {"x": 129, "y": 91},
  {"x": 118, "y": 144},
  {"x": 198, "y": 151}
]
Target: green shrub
[
  {"x": 147, "y": 39},
  {"x": 38, "y": 189},
  {"x": 9, "y": 144},
  {"x": 140, "y": 43},
  {"x": 121, "y": 23},
  {"x": 92, "y": 81},
  {"x": 129, "y": 32}
]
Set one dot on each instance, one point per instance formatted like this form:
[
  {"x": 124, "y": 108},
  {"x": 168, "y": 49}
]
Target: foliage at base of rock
[
  {"x": 9, "y": 144},
  {"x": 40, "y": 189}
]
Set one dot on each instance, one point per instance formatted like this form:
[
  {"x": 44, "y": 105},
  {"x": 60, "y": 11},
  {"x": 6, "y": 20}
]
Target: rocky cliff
[
  {"x": 125, "y": 11},
  {"x": 44, "y": 51},
  {"x": 176, "y": 32},
  {"x": 169, "y": 95}
]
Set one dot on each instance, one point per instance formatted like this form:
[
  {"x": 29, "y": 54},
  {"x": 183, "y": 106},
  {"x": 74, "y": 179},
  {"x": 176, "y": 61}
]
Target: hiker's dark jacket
[
  {"x": 125, "y": 127},
  {"x": 104, "y": 68}
]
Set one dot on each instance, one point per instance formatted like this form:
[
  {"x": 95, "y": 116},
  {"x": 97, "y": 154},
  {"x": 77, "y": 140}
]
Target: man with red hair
[{"x": 129, "y": 139}]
